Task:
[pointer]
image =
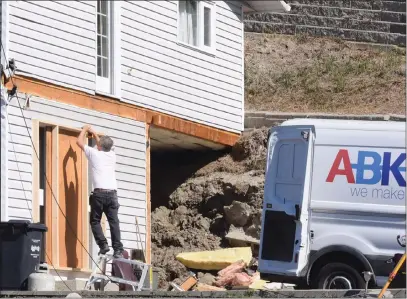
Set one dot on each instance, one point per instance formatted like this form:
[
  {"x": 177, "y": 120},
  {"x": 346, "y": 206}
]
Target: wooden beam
[
  {"x": 148, "y": 197},
  {"x": 115, "y": 107},
  {"x": 48, "y": 200},
  {"x": 36, "y": 170},
  {"x": 85, "y": 214},
  {"x": 55, "y": 189}
]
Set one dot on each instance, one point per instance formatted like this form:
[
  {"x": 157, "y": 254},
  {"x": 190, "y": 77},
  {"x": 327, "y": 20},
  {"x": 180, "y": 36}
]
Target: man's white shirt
[{"x": 103, "y": 167}]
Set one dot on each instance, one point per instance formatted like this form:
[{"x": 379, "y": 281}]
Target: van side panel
[{"x": 358, "y": 193}]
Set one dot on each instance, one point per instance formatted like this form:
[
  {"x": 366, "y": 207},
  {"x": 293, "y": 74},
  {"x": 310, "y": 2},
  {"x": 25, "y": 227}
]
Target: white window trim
[
  {"x": 114, "y": 79},
  {"x": 201, "y": 48}
]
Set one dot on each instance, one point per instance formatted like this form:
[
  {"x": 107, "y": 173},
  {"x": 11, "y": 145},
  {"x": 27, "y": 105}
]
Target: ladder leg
[{"x": 142, "y": 278}]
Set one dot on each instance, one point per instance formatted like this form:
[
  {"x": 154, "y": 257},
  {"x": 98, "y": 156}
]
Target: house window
[
  {"x": 196, "y": 21},
  {"x": 108, "y": 47}
]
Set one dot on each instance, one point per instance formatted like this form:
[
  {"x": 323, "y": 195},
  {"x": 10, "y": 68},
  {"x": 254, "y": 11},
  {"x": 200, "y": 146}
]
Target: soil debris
[{"x": 204, "y": 208}]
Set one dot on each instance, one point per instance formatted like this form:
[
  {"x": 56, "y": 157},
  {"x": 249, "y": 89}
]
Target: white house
[{"x": 164, "y": 74}]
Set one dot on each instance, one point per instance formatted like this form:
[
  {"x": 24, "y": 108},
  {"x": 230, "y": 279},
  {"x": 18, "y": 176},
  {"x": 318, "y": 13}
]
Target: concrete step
[
  {"x": 318, "y": 21},
  {"x": 346, "y": 34},
  {"x": 346, "y": 12},
  {"x": 393, "y": 5}
]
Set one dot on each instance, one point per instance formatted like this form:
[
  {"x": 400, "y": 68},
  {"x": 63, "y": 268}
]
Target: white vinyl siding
[
  {"x": 54, "y": 41},
  {"x": 130, "y": 146},
  {"x": 160, "y": 74}
]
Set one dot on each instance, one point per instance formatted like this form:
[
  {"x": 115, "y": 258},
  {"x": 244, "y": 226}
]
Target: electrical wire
[
  {"x": 45, "y": 176},
  {"x": 30, "y": 210}
]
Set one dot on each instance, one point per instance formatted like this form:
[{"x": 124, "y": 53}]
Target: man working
[{"x": 103, "y": 199}]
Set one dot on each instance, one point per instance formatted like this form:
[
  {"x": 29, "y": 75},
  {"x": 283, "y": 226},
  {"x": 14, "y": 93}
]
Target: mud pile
[{"x": 222, "y": 196}]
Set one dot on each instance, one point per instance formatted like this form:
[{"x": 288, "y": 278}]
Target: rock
[
  {"x": 73, "y": 295},
  {"x": 238, "y": 213},
  {"x": 206, "y": 278}
]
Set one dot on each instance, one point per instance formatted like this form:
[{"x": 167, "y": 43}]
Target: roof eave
[{"x": 250, "y": 6}]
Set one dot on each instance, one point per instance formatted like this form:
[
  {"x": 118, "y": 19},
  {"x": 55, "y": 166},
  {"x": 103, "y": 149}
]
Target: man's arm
[
  {"x": 81, "y": 138},
  {"x": 95, "y": 135}
]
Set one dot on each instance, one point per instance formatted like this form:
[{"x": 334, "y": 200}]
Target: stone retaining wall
[
  {"x": 371, "y": 21},
  {"x": 259, "y": 119}
]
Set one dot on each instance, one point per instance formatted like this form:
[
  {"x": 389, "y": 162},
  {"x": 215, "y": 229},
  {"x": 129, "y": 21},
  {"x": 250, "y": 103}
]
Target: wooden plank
[
  {"x": 106, "y": 105},
  {"x": 55, "y": 194},
  {"x": 48, "y": 200},
  {"x": 84, "y": 212},
  {"x": 71, "y": 201},
  {"x": 148, "y": 195}
]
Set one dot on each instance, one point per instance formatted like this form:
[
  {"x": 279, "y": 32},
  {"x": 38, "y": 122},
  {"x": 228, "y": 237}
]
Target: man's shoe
[
  {"x": 104, "y": 249},
  {"x": 118, "y": 254}
]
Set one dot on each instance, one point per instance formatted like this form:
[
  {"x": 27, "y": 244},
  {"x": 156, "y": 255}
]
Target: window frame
[
  {"x": 200, "y": 30},
  {"x": 110, "y": 86}
]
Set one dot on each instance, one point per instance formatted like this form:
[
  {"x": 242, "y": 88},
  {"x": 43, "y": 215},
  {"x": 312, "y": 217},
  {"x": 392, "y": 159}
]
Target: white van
[{"x": 334, "y": 202}]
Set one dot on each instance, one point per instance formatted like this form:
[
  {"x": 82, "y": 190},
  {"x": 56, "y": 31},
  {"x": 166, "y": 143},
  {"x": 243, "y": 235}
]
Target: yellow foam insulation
[{"x": 216, "y": 259}]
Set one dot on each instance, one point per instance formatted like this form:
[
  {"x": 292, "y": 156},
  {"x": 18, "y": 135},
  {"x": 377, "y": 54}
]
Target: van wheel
[{"x": 338, "y": 276}]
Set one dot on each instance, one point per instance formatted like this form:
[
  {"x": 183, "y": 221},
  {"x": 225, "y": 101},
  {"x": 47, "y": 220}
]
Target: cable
[
  {"x": 29, "y": 209},
  {"x": 46, "y": 178}
]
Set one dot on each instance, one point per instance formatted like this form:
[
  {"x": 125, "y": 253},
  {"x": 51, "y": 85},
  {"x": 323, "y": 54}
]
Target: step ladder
[{"x": 99, "y": 274}]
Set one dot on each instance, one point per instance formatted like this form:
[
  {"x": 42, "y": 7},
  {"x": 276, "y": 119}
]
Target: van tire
[{"x": 348, "y": 275}]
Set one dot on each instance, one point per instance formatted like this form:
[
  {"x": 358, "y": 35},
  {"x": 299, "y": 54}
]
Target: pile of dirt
[{"x": 222, "y": 196}]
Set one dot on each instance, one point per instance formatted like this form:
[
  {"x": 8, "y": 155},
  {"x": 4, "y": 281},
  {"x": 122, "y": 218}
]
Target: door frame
[{"x": 52, "y": 162}]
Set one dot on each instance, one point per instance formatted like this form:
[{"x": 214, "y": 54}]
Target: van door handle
[{"x": 312, "y": 234}]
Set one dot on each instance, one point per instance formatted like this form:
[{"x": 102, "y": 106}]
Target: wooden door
[{"x": 72, "y": 213}]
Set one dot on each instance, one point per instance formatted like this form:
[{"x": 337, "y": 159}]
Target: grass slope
[{"x": 308, "y": 74}]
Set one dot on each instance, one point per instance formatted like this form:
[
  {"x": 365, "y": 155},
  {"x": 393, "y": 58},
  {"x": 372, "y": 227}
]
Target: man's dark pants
[{"x": 105, "y": 202}]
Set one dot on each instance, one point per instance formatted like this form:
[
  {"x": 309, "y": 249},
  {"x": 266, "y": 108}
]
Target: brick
[
  {"x": 263, "y": 27},
  {"x": 332, "y": 3},
  {"x": 394, "y": 17},
  {"x": 398, "y": 28},
  {"x": 393, "y": 6}
]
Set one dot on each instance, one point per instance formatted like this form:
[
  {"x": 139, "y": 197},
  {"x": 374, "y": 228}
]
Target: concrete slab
[{"x": 228, "y": 294}]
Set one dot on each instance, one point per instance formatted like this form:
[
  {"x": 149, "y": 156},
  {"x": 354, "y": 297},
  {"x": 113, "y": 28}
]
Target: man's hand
[
  {"x": 87, "y": 128},
  {"x": 80, "y": 141}
]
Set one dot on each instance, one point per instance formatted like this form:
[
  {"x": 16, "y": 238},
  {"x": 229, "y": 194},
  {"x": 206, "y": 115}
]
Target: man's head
[{"x": 106, "y": 143}]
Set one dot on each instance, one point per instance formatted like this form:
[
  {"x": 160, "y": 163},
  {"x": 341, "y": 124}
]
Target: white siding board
[
  {"x": 149, "y": 98},
  {"x": 188, "y": 100},
  {"x": 81, "y": 61},
  {"x": 20, "y": 185},
  {"x": 155, "y": 40},
  {"x": 55, "y": 11},
  {"x": 16, "y": 213},
  {"x": 109, "y": 121},
  {"x": 64, "y": 70},
  {"x": 20, "y": 203},
  {"x": 165, "y": 4},
  {"x": 19, "y": 194},
  {"x": 165, "y": 16},
  {"x": 180, "y": 72},
  {"x": 80, "y": 6},
  {"x": 51, "y": 27},
  {"x": 18, "y": 166},
  {"x": 72, "y": 65},
  {"x": 73, "y": 12},
  {"x": 37, "y": 71},
  {"x": 54, "y": 42},
  {"x": 58, "y": 41},
  {"x": 169, "y": 80},
  {"x": 20, "y": 175}
]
